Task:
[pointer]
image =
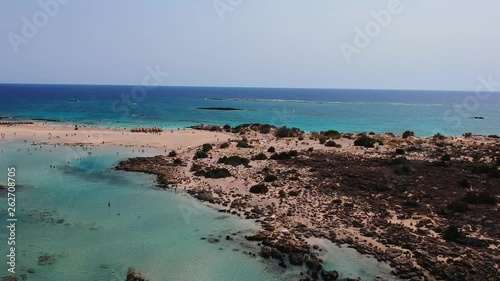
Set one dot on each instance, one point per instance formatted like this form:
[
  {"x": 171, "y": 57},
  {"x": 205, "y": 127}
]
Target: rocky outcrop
[
  {"x": 160, "y": 166},
  {"x": 329, "y": 275},
  {"x": 132, "y": 275}
]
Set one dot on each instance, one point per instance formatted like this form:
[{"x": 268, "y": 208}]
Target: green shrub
[
  {"x": 458, "y": 206},
  {"x": 400, "y": 151},
  {"x": 270, "y": 178},
  {"x": 464, "y": 183},
  {"x": 479, "y": 198},
  {"x": 331, "y": 143},
  {"x": 243, "y": 144},
  {"x": 332, "y": 134},
  {"x": 259, "y": 189},
  {"x": 172, "y": 153},
  {"x": 217, "y": 173},
  {"x": 195, "y": 167},
  {"x": 408, "y": 134},
  {"x": 294, "y": 193},
  {"x": 293, "y": 153},
  {"x": 260, "y": 156},
  {"x": 280, "y": 156},
  {"x": 364, "y": 141},
  {"x": 446, "y": 157},
  {"x": 493, "y": 136},
  {"x": 284, "y": 132},
  {"x": 207, "y": 147},
  {"x": 224, "y": 145},
  {"x": 234, "y": 161},
  {"x": 271, "y": 149},
  {"x": 265, "y": 129},
  {"x": 200, "y": 154},
  {"x": 438, "y": 136},
  {"x": 322, "y": 140},
  {"x": 467, "y": 135},
  {"x": 480, "y": 169},
  {"x": 452, "y": 233}
]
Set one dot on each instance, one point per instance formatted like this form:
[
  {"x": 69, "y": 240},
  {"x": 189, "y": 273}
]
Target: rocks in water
[
  {"x": 296, "y": 258},
  {"x": 213, "y": 240},
  {"x": 46, "y": 259},
  {"x": 257, "y": 237},
  {"x": 313, "y": 264},
  {"x": 329, "y": 275},
  {"x": 132, "y": 275},
  {"x": 204, "y": 196},
  {"x": 9, "y": 278},
  {"x": 30, "y": 270},
  {"x": 265, "y": 252}
]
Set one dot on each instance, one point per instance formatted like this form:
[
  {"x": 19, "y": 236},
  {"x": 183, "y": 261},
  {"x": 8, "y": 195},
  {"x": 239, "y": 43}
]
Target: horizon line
[{"x": 231, "y": 87}]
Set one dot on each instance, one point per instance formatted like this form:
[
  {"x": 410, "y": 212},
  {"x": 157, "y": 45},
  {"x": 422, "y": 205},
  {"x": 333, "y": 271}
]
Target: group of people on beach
[{"x": 153, "y": 130}]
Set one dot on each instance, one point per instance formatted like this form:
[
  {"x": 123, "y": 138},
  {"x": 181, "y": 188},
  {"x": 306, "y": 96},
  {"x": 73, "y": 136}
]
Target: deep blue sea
[{"x": 380, "y": 111}]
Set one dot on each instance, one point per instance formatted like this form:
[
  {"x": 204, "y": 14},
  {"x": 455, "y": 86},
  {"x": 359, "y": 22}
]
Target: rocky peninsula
[{"x": 427, "y": 206}]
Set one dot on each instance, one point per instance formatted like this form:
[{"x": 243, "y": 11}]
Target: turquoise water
[
  {"x": 157, "y": 232},
  {"x": 380, "y": 111}
]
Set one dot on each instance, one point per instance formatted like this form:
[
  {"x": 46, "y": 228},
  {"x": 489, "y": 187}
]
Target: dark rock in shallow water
[
  {"x": 329, "y": 275},
  {"x": 257, "y": 237},
  {"x": 9, "y": 278},
  {"x": 313, "y": 264},
  {"x": 46, "y": 259},
  {"x": 132, "y": 275},
  {"x": 212, "y": 240},
  {"x": 296, "y": 258},
  {"x": 265, "y": 252}
]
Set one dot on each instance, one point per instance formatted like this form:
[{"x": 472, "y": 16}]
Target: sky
[{"x": 362, "y": 44}]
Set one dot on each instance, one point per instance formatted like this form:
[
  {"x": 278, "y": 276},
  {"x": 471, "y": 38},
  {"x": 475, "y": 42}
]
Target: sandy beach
[{"x": 94, "y": 136}]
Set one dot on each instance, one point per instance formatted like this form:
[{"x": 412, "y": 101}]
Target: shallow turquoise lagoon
[{"x": 63, "y": 213}]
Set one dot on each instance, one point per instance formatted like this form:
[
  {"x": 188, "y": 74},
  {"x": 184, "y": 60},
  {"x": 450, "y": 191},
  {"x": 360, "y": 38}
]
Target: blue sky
[{"x": 427, "y": 44}]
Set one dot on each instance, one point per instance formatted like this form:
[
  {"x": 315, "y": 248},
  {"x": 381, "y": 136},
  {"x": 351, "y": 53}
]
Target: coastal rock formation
[
  {"x": 160, "y": 166},
  {"x": 132, "y": 275},
  {"x": 428, "y": 207}
]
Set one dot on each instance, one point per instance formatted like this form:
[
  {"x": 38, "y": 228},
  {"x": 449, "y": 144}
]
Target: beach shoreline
[{"x": 298, "y": 204}]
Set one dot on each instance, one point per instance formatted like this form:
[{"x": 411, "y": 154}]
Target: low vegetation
[
  {"x": 214, "y": 173},
  {"x": 234, "y": 161},
  {"x": 366, "y": 141},
  {"x": 207, "y": 147},
  {"x": 408, "y": 134},
  {"x": 260, "y": 156},
  {"x": 285, "y": 132},
  {"x": 259, "y": 189}
]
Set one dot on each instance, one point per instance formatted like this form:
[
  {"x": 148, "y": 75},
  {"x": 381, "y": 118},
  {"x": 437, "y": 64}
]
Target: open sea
[
  {"x": 380, "y": 111},
  {"x": 63, "y": 215}
]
